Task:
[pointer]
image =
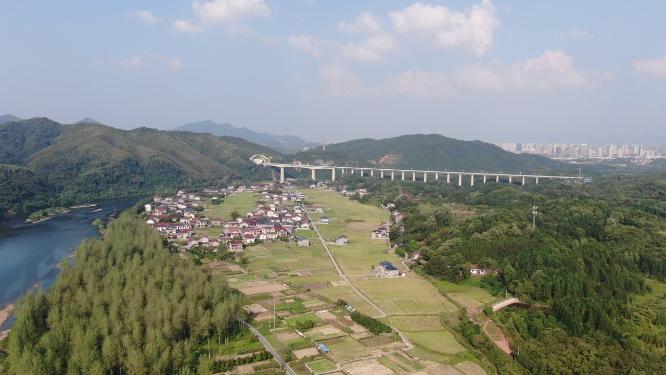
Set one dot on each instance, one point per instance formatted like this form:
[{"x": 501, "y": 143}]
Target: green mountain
[
  {"x": 8, "y": 118},
  {"x": 430, "y": 151},
  {"x": 87, "y": 161}
]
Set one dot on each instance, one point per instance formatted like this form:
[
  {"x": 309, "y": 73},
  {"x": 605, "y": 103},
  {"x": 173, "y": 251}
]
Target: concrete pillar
[
  {"x": 333, "y": 174},
  {"x": 361, "y": 172},
  {"x": 392, "y": 175},
  {"x": 537, "y": 180},
  {"x": 342, "y": 171},
  {"x": 510, "y": 178},
  {"x": 352, "y": 171},
  {"x": 314, "y": 175},
  {"x": 497, "y": 179},
  {"x": 459, "y": 179},
  {"x": 471, "y": 180},
  {"x": 448, "y": 178},
  {"x": 484, "y": 178},
  {"x": 381, "y": 174},
  {"x": 372, "y": 173},
  {"x": 413, "y": 176},
  {"x": 523, "y": 182},
  {"x": 436, "y": 176},
  {"x": 282, "y": 175},
  {"x": 403, "y": 175},
  {"x": 425, "y": 176}
]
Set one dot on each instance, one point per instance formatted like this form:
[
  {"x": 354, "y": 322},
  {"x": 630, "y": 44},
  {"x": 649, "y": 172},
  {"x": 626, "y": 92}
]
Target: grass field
[
  {"x": 416, "y": 323},
  {"x": 242, "y": 203},
  {"x": 345, "y": 349},
  {"x": 467, "y": 294},
  {"x": 293, "y": 320}
]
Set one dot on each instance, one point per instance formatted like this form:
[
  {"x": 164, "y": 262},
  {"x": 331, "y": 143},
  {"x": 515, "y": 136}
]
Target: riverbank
[
  {"x": 5, "y": 313},
  {"x": 45, "y": 214}
]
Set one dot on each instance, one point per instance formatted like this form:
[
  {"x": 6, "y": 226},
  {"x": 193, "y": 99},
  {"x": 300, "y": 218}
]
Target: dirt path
[{"x": 498, "y": 337}]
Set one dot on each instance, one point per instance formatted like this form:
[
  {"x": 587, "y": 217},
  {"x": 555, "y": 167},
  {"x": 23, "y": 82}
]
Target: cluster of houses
[
  {"x": 380, "y": 233},
  {"x": 179, "y": 218}
]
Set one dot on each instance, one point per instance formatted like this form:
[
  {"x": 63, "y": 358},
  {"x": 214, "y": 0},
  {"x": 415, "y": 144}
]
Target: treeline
[
  {"x": 373, "y": 325},
  {"x": 125, "y": 305},
  {"x": 587, "y": 259}
]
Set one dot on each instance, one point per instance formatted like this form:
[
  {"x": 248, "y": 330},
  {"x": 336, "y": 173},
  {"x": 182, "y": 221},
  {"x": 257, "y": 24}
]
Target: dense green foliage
[
  {"x": 87, "y": 162},
  {"x": 431, "y": 151},
  {"x": 588, "y": 259},
  {"x": 373, "y": 325},
  {"x": 125, "y": 305}
]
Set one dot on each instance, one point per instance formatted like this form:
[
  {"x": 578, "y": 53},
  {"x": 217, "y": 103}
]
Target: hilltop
[
  {"x": 87, "y": 161},
  {"x": 430, "y": 151},
  {"x": 282, "y": 143},
  {"x": 8, "y": 118}
]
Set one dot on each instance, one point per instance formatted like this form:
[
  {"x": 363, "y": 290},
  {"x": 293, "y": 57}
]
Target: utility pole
[{"x": 534, "y": 215}]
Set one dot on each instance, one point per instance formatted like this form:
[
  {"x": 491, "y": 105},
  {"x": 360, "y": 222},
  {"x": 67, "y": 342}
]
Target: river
[{"x": 30, "y": 254}]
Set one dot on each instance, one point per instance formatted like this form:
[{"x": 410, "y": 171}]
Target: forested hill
[
  {"x": 86, "y": 161},
  {"x": 431, "y": 151}
]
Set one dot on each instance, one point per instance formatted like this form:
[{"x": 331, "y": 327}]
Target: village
[{"x": 319, "y": 277}]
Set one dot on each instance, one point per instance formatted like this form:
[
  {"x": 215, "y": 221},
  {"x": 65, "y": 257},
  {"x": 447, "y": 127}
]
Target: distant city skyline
[
  {"x": 569, "y": 71},
  {"x": 583, "y": 150}
]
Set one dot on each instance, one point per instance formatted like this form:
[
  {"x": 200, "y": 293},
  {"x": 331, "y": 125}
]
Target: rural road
[{"x": 269, "y": 347}]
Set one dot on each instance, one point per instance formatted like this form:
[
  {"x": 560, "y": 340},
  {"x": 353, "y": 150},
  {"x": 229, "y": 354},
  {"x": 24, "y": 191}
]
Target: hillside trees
[{"x": 124, "y": 305}]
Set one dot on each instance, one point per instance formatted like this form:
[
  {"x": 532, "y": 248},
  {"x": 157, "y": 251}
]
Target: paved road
[{"x": 269, "y": 347}]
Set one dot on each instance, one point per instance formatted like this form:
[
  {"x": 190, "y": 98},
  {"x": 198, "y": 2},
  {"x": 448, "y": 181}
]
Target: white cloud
[
  {"x": 654, "y": 67},
  {"x": 306, "y": 43},
  {"x": 145, "y": 16},
  {"x": 134, "y": 62},
  {"x": 341, "y": 82},
  {"x": 365, "y": 23},
  {"x": 225, "y": 11},
  {"x": 430, "y": 84},
  {"x": 371, "y": 49},
  {"x": 472, "y": 30},
  {"x": 549, "y": 71},
  {"x": 240, "y": 30},
  {"x": 186, "y": 26},
  {"x": 148, "y": 61},
  {"x": 575, "y": 33}
]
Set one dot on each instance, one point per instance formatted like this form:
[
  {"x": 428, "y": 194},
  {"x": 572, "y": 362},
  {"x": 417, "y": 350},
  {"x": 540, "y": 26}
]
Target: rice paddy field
[{"x": 240, "y": 202}]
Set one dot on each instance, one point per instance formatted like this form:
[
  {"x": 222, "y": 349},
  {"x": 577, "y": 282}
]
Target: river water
[{"x": 30, "y": 254}]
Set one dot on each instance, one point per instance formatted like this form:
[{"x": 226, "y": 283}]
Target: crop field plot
[
  {"x": 241, "y": 203},
  {"x": 347, "y": 294},
  {"x": 442, "y": 342},
  {"x": 416, "y": 323},
  {"x": 294, "y": 320},
  {"x": 321, "y": 365},
  {"x": 470, "y": 368},
  {"x": 367, "y": 366},
  {"x": 409, "y": 295},
  {"x": 345, "y": 349}
]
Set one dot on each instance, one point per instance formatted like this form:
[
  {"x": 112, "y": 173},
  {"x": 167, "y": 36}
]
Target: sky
[{"x": 503, "y": 71}]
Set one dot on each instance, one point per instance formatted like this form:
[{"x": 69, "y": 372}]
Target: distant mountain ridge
[
  {"x": 430, "y": 152},
  {"x": 8, "y": 118},
  {"x": 282, "y": 143}
]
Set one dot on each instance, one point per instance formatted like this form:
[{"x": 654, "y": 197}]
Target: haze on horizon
[{"x": 507, "y": 71}]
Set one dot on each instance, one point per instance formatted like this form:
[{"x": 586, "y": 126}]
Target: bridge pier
[
  {"x": 459, "y": 179},
  {"x": 282, "y": 175},
  {"x": 537, "y": 180},
  {"x": 361, "y": 172},
  {"x": 448, "y": 178},
  {"x": 497, "y": 179},
  {"x": 413, "y": 175},
  {"x": 471, "y": 180},
  {"x": 333, "y": 174},
  {"x": 436, "y": 176},
  {"x": 510, "y": 178},
  {"x": 523, "y": 182},
  {"x": 372, "y": 173},
  {"x": 314, "y": 175},
  {"x": 403, "y": 175},
  {"x": 392, "y": 175},
  {"x": 425, "y": 176},
  {"x": 484, "y": 178},
  {"x": 381, "y": 174}
]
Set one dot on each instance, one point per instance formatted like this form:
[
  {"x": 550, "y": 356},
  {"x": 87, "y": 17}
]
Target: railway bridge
[{"x": 458, "y": 177}]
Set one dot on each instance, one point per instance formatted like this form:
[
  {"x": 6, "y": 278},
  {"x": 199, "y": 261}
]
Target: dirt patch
[
  {"x": 338, "y": 283},
  {"x": 6, "y": 312},
  {"x": 315, "y": 286},
  {"x": 326, "y": 315},
  {"x": 369, "y": 366},
  {"x": 326, "y": 330},
  {"x": 307, "y": 352},
  {"x": 263, "y": 317},
  {"x": 388, "y": 159},
  {"x": 357, "y": 328},
  {"x": 255, "y": 308},
  {"x": 260, "y": 287},
  {"x": 497, "y": 336},
  {"x": 287, "y": 336}
]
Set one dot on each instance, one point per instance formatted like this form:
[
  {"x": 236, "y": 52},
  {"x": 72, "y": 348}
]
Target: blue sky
[{"x": 564, "y": 71}]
